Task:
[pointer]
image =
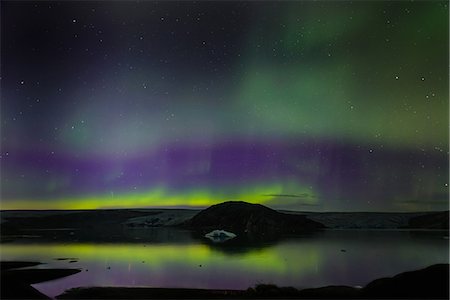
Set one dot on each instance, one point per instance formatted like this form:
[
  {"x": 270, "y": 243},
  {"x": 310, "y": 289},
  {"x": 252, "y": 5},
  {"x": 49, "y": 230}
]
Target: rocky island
[{"x": 250, "y": 219}]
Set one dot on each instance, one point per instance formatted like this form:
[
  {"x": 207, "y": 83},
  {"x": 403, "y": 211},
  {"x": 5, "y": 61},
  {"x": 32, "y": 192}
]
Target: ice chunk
[{"x": 219, "y": 236}]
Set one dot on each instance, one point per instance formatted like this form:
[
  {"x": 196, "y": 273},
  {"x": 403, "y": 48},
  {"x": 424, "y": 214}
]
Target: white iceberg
[{"x": 220, "y": 236}]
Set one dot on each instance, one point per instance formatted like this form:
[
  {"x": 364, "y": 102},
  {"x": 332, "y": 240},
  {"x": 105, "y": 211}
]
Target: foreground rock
[
  {"x": 428, "y": 283},
  {"x": 253, "y": 219},
  {"x": 431, "y": 282},
  {"x": 16, "y": 283}
]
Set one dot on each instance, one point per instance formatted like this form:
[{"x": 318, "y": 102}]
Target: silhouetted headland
[{"x": 16, "y": 282}]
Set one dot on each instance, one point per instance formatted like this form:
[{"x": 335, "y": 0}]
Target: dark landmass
[
  {"x": 380, "y": 220},
  {"x": 428, "y": 283},
  {"x": 8, "y": 265},
  {"x": 116, "y": 225},
  {"x": 431, "y": 282},
  {"x": 16, "y": 282},
  {"x": 438, "y": 220},
  {"x": 31, "y": 276},
  {"x": 68, "y": 219},
  {"x": 250, "y": 219},
  {"x": 148, "y": 293},
  {"x": 257, "y": 221},
  {"x": 331, "y": 292}
]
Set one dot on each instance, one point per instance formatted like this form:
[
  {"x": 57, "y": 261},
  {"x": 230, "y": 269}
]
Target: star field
[{"x": 299, "y": 105}]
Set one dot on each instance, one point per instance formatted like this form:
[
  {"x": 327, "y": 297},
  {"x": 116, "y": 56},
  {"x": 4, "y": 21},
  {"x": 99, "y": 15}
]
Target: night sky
[{"x": 319, "y": 106}]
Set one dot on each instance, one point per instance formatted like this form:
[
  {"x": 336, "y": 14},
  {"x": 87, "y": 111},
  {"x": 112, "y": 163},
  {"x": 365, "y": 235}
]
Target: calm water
[{"x": 174, "y": 259}]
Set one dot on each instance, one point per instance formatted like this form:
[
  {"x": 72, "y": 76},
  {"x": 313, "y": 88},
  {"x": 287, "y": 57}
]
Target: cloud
[
  {"x": 304, "y": 195},
  {"x": 293, "y": 201}
]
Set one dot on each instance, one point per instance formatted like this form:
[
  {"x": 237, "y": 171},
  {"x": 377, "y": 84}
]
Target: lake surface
[{"x": 173, "y": 258}]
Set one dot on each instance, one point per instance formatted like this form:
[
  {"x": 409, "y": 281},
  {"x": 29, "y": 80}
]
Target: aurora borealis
[{"x": 300, "y": 105}]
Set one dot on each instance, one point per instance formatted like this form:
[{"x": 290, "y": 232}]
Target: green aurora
[{"x": 298, "y": 105}]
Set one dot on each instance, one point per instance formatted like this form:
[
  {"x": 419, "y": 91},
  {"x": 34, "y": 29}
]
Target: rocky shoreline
[{"x": 428, "y": 283}]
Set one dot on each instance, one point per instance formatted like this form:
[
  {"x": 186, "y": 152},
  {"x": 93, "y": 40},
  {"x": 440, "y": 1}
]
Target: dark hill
[
  {"x": 255, "y": 219},
  {"x": 438, "y": 220},
  {"x": 428, "y": 283}
]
